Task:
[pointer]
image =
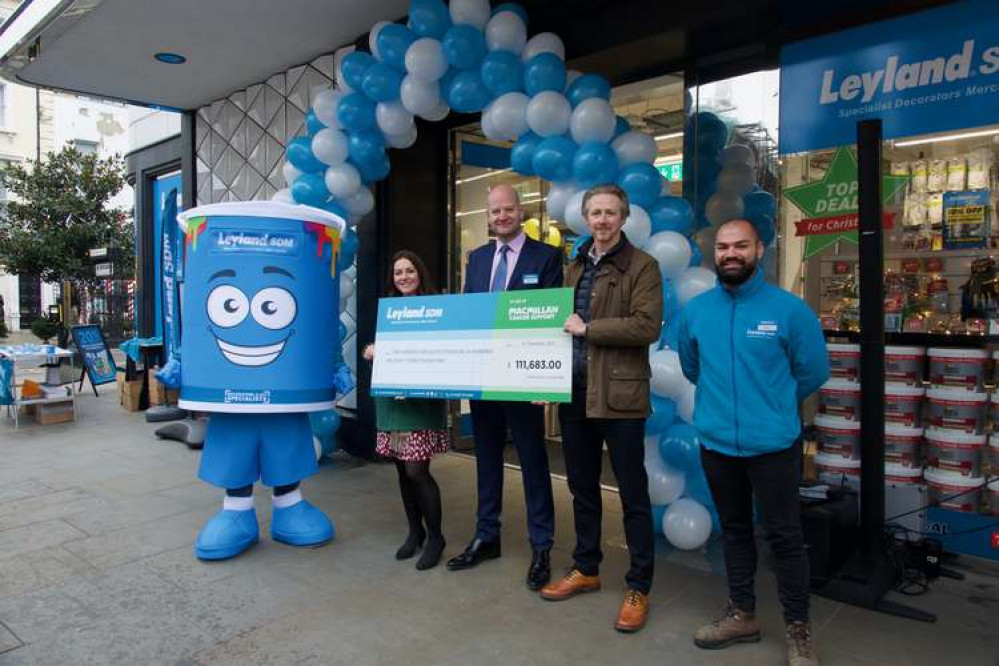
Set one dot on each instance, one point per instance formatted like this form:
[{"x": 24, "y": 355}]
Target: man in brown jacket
[{"x": 618, "y": 314}]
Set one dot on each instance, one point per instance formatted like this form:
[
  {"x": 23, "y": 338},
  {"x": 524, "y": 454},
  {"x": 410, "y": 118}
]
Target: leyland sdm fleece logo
[{"x": 897, "y": 77}]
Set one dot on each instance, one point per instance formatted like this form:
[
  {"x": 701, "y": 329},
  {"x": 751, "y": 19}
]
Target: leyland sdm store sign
[{"x": 929, "y": 72}]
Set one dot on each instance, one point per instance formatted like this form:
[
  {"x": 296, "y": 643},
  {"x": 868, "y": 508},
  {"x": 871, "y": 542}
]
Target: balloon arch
[{"x": 471, "y": 58}]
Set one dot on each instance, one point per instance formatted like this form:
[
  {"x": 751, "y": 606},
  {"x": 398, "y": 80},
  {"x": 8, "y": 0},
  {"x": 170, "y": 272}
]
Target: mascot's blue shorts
[{"x": 241, "y": 448}]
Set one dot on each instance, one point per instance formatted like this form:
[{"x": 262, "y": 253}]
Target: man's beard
[{"x": 734, "y": 279}]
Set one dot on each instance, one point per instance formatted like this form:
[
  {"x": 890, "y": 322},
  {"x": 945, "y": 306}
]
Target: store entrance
[{"x": 654, "y": 107}]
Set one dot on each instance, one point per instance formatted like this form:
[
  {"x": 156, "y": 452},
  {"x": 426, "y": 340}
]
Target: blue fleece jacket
[{"x": 754, "y": 353}]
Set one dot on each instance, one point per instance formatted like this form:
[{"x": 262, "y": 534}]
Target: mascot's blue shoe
[
  {"x": 227, "y": 534},
  {"x": 301, "y": 524}
]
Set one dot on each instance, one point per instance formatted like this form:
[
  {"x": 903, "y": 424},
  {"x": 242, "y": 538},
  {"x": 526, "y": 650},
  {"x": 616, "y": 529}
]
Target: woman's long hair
[{"x": 426, "y": 284}]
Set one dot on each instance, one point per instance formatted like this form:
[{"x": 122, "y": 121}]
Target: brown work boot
[
  {"x": 734, "y": 626},
  {"x": 572, "y": 583},
  {"x": 799, "y": 645},
  {"x": 634, "y": 612}
]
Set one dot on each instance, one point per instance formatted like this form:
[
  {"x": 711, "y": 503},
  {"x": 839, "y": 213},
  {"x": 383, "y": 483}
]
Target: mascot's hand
[
  {"x": 343, "y": 379},
  {"x": 169, "y": 374}
]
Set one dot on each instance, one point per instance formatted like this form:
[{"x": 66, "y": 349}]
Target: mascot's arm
[
  {"x": 169, "y": 374},
  {"x": 343, "y": 378}
]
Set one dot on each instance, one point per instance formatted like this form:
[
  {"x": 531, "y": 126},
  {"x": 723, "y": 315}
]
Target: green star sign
[{"x": 830, "y": 204}]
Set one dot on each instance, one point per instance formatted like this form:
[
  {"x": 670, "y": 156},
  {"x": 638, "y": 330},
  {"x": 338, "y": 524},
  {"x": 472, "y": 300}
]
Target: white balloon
[
  {"x": 558, "y": 197},
  {"x": 592, "y": 120},
  {"x": 506, "y": 32},
  {"x": 473, "y": 12},
  {"x": 403, "y": 140},
  {"x": 548, "y": 113},
  {"x": 723, "y": 206},
  {"x": 373, "y": 38},
  {"x": 687, "y": 524},
  {"x": 665, "y": 483},
  {"x": 667, "y": 376},
  {"x": 633, "y": 147},
  {"x": 325, "y": 106},
  {"x": 737, "y": 178},
  {"x": 362, "y": 203},
  {"x": 393, "y": 118},
  {"x": 290, "y": 173},
  {"x": 692, "y": 282},
  {"x": 685, "y": 402},
  {"x": 343, "y": 180},
  {"x": 570, "y": 76},
  {"x": 671, "y": 250},
  {"x": 418, "y": 96},
  {"x": 638, "y": 226},
  {"x": 543, "y": 42},
  {"x": 488, "y": 125},
  {"x": 330, "y": 146},
  {"x": 283, "y": 196},
  {"x": 509, "y": 113},
  {"x": 574, "y": 218},
  {"x": 439, "y": 112},
  {"x": 346, "y": 287},
  {"x": 425, "y": 59},
  {"x": 349, "y": 325},
  {"x": 738, "y": 153}
]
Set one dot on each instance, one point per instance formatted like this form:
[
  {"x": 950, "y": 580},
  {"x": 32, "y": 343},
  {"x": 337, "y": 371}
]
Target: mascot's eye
[
  {"x": 274, "y": 308},
  {"x": 227, "y": 306}
]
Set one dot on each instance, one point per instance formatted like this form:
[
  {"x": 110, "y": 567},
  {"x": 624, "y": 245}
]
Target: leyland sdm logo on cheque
[{"x": 897, "y": 76}]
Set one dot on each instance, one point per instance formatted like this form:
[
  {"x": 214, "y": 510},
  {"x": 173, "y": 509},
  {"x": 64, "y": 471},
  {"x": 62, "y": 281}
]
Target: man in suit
[{"x": 512, "y": 261}]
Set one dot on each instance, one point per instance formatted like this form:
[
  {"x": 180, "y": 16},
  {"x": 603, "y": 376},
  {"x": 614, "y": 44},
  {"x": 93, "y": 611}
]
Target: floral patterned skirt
[{"x": 419, "y": 445}]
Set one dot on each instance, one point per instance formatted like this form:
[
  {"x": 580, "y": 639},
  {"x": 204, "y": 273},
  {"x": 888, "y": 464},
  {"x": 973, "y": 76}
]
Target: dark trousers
[
  {"x": 773, "y": 479},
  {"x": 490, "y": 420},
  {"x": 582, "y": 443}
]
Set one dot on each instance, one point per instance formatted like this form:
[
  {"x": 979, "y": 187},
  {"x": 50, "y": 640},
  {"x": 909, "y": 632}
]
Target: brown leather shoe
[
  {"x": 572, "y": 583},
  {"x": 634, "y": 612}
]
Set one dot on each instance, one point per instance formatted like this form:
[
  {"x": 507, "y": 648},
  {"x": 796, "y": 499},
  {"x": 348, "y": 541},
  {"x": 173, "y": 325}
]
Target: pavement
[{"x": 98, "y": 518}]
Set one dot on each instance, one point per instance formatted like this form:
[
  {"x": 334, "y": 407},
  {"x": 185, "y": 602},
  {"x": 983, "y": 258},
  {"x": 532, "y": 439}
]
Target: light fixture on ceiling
[
  {"x": 949, "y": 137},
  {"x": 170, "y": 58},
  {"x": 671, "y": 135},
  {"x": 470, "y": 179}
]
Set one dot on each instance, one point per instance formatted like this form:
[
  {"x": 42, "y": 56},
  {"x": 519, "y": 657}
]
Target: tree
[{"x": 59, "y": 210}]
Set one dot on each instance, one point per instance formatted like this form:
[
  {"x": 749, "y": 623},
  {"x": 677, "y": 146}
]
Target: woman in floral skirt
[{"x": 412, "y": 432}]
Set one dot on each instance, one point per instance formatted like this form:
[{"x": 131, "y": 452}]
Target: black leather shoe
[
  {"x": 476, "y": 552},
  {"x": 541, "y": 571}
]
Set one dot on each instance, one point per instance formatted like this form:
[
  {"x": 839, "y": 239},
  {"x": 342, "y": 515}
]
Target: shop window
[{"x": 85, "y": 147}]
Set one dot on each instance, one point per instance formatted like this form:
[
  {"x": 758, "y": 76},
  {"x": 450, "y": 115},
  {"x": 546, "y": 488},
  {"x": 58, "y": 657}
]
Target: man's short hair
[
  {"x": 741, "y": 220},
  {"x": 621, "y": 195}
]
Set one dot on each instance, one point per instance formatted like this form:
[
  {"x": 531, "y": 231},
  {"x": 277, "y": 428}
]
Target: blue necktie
[{"x": 499, "y": 279}]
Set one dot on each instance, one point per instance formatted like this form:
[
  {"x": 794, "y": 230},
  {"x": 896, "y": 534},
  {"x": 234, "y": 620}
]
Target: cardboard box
[
  {"x": 52, "y": 412},
  {"x": 129, "y": 392},
  {"x": 160, "y": 394}
]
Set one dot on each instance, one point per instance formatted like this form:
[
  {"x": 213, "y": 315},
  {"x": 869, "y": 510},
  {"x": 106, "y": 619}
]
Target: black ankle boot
[
  {"x": 411, "y": 545},
  {"x": 431, "y": 554}
]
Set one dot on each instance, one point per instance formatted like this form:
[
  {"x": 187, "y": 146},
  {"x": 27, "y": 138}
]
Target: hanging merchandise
[{"x": 965, "y": 219}]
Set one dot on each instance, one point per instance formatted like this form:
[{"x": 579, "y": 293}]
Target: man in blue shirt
[{"x": 755, "y": 352}]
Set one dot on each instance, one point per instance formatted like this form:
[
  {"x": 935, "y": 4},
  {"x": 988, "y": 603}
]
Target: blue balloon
[
  {"x": 706, "y": 170},
  {"x": 658, "y": 511},
  {"x": 642, "y": 182},
  {"x": 324, "y": 423},
  {"x": 342, "y": 329},
  {"x": 663, "y": 413},
  {"x": 710, "y": 129},
  {"x": 522, "y": 153},
  {"x": 333, "y": 207},
  {"x": 466, "y": 92},
  {"x": 759, "y": 204},
  {"x": 680, "y": 447},
  {"x": 373, "y": 170},
  {"x": 671, "y": 213},
  {"x": 578, "y": 243},
  {"x": 586, "y": 87},
  {"x": 299, "y": 153},
  {"x": 309, "y": 189},
  {"x": 382, "y": 82},
  {"x": 464, "y": 46},
  {"x": 696, "y": 487},
  {"x": 622, "y": 126},
  {"x": 429, "y": 18},
  {"x": 354, "y": 65},
  {"x": 393, "y": 41},
  {"x": 312, "y": 123},
  {"x": 595, "y": 163},
  {"x": 553, "y": 158},
  {"x": 348, "y": 250},
  {"x": 502, "y": 72},
  {"x": 512, "y": 7},
  {"x": 765, "y": 228},
  {"x": 696, "y": 256},
  {"x": 366, "y": 146},
  {"x": 356, "y": 112},
  {"x": 545, "y": 71}
]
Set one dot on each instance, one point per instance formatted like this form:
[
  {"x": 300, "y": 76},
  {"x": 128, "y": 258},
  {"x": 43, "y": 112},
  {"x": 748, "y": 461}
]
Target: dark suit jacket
[{"x": 540, "y": 263}]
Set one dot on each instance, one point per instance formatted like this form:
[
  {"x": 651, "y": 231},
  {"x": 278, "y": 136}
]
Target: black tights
[
  {"x": 421, "y": 497},
  {"x": 247, "y": 491}
]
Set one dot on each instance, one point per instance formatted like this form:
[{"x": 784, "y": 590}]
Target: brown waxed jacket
[{"x": 626, "y": 312}]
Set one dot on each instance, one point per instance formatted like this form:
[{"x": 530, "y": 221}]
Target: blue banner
[
  {"x": 166, "y": 292},
  {"x": 97, "y": 359},
  {"x": 933, "y": 71}
]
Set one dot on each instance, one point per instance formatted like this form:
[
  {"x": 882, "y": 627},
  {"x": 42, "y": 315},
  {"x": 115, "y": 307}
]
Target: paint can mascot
[{"x": 260, "y": 345}]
